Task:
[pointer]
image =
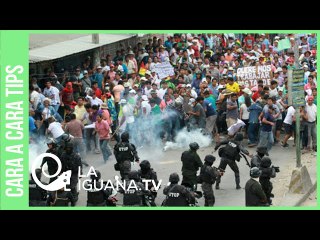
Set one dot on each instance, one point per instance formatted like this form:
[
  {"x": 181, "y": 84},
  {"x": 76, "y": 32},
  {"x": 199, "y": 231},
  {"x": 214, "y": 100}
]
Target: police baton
[
  {"x": 245, "y": 158},
  {"x": 117, "y": 129}
]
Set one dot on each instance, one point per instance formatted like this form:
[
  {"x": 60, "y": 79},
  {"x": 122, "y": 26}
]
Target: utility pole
[
  {"x": 300, "y": 178},
  {"x": 292, "y": 76},
  {"x": 296, "y": 64}
]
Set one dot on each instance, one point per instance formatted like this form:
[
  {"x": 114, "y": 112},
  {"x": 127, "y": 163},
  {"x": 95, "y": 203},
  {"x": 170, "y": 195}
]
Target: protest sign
[
  {"x": 164, "y": 70},
  {"x": 249, "y": 76}
]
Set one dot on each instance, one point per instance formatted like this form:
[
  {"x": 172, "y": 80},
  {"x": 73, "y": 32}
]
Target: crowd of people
[{"x": 95, "y": 103}]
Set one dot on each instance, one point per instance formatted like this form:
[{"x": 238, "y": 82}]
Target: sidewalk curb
[{"x": 306, "y": 195}]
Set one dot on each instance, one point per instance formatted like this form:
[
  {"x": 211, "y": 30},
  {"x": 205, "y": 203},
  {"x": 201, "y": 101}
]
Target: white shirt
[
  {"x": 273, "y": 92},
  {"x": 127, "y": 111},
  {"x": 290, "y": 113},
  {"x": 96, "y": 101},
  {"x": 162, "y": 92},
  {"x": 147, "y": 92},
  {"x": 46, "y": 113},
  {"x": 146, "y": 105},
  {"x": 55, "y": 129},
  {"x": 311, "y": 112},
  {"x": 35, "y": 98},
  {"x": 245, "y": 113},
  {"x": 52, "y": 91}
]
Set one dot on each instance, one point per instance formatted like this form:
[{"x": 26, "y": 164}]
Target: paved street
[{"x": 167, "y": 162}]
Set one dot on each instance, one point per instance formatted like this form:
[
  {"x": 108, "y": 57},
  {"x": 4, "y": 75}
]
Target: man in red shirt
[
  {"x": 248, "y": 42},
  {"x": 102, "y": 128},
  {"x": 256, "y": 95}
]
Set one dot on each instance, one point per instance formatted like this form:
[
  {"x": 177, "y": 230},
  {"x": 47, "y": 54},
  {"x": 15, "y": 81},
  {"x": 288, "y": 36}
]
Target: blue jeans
[
  {"x": 253, "y": 133},
  {"x": 266, "y": 140},
  {"x": 105, "y": 149}
]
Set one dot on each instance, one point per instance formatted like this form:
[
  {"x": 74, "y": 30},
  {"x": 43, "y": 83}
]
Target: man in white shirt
[
  {"x": 34, "y": 98},
  {"x": 55, "y": 129},
  {"x": 94, "y": 100},
  {"x": 162, "y": 91},
  {"x": 288, "y": 123},
  {"x": 52, "y": 93},
  {"x": 311, "y": 110},
  {"x": 145, "y": 106}
]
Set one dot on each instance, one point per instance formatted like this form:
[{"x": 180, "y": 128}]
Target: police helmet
[
  {"x": 69, "y": 145},
  {"x": 255, "y": 172},
  {"x": 133, "y": 175},
  {"x": 209, "y": 159},
  {"x": 125, "y": 136},
  {"x": 97, "y": 176},
  {"x": 145, "y": 165},
  {"x": 66, "y": 137},
  {"x": 174, "y": 178},
  {"x": 262, "y": 150},
  {"x": 51, "y": 141},
  {"x": 194, "y": 146},
  {"x": 265, "y": 162},
  {"x": 238, "y": 137}
]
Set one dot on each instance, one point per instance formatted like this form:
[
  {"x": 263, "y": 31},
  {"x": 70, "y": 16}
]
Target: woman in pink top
[{"x": 103, "y": 130}]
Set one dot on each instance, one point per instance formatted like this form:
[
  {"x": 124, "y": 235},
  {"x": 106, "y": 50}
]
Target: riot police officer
[
  {"x": 60, "y": 198},
  {"x": 146, "y": 172},
  {"x": 96, "y": 194},
  {"x": 256, "y": 160},
  {"x": 229, "y": 154},
  {"x": 66, "y": 138},
  {"x": 191, "y": 162},
  {"x": 208, "y": 176},
  {"x": 133, "y": 196},
  {"x": 72, "y": 161},
  {"x": 267, "y": 172},
  {"x": 51, "y": 163},
  {"x": 177, "y": 195},
  {"x": 255, "y": 196},
  {"x": 125, "y": 153},
  {"x": 37, "y": 196}
]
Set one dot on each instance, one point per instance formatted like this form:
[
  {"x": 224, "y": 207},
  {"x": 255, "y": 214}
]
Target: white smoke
[
  {"x": 184, "y": 138},
  {"x": 35, "y": 149}
]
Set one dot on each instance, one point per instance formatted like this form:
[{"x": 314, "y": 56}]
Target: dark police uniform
[
  {"x": 177, "y": 195},
  {"x": 37, "y": 196},
  {"x": 267, "y": 172},
  {"x": 72, "y": 161},
  {"x": 132, "y": 196},
  {"x": 51, "y": 163},
  {"x": 125, "y": 153},
  {"x": 229, "y": 154},
  {"x": 146, "y": 172},
  {"x": 255, "y": 196},
  {"x": 60, "y": 198},
  {"x": 208, "y": 176},
  {"x": 191, "y": 162},
  {"x": 96, "y": 197}
]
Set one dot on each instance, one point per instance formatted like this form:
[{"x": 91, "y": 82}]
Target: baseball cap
[
  {"x": 191, "y": 101},
  {"x": 188, "y": 85},
  {"x": 85, "y": 72},
  {"x": 144, "y": 98}
]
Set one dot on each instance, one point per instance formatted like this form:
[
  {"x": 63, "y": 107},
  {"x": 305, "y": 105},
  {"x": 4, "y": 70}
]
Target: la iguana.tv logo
[{"x": 61, "y": 182}]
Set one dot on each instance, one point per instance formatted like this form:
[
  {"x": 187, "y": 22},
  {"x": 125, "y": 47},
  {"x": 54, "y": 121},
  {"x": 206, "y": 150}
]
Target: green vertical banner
[{"x": 14, "y": 119}]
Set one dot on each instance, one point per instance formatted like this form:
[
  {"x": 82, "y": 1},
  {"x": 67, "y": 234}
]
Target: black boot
[
  {"x": 217, "y": 186},
  {"x": 238, "y": 186}
]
